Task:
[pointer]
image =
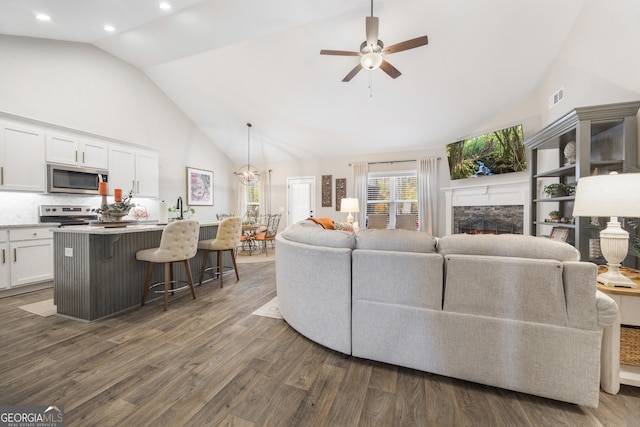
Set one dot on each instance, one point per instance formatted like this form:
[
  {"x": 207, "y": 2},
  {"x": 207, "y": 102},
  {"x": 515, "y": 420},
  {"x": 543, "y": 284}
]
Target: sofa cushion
[
  {"x": 507, "y": 245},
  {"x": 529, "y": 290},
  {"x": 318, "y": 236},
  {"x": 395, "y": 240}
]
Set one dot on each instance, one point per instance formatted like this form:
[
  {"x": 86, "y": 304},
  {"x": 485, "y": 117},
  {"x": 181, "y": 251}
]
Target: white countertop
[
  {"x": 48, "y": 224},
  {"x": 131, "y": 228}
]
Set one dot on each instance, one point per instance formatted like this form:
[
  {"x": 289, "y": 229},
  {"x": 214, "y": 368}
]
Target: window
[
  {"x": 252, "y": 202},
  {"x": 395, "y": 194}
]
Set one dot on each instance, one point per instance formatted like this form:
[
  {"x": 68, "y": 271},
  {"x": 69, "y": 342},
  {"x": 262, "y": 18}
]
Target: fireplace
[
  {"x": 489, "y": 206},
  {"x": 503, "y": 219}
]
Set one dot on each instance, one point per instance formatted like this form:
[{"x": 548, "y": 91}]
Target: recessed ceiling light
[
  {"x": 43, "y": 17},
  {"x": 165, "y": 6},
  {"x": 109, "y": 28}
]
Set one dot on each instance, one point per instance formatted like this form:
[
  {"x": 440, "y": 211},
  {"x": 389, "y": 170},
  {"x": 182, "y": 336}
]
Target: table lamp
[
  {"x": 349, "y": 204},
  {"x": 611, "y": 195}
]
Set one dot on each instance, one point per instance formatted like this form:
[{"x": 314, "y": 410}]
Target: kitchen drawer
[
  {"x": 4, "y": 236},
  {"x": 630, "y": 309},
  {"x": 30, "y": 234}
]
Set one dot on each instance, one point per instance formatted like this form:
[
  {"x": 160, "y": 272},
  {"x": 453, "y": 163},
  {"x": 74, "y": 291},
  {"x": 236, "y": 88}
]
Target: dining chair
[{"x": 269, "y": 234}]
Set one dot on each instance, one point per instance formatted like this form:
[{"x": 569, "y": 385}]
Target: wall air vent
[{"x": 556, "y": 98}]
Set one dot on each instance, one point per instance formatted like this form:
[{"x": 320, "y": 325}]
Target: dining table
[{"x": 249, "y": 231}]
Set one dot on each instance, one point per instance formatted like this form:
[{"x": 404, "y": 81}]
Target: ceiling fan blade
[
  {"x": 390, "y": 69},
  {"x": 352, "y": 73},
  {"x": 339, "y": 52},
  {"x": 406, "y": 45},
  {"x": 372, "y": 31}
]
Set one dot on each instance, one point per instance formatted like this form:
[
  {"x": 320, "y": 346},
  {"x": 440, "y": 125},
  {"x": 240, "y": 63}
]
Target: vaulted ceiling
[{"x": 229, "y": 62}]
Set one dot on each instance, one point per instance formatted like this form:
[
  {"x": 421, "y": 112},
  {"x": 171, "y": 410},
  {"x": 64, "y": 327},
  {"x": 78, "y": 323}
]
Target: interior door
[{"x": 301, "y": 198}]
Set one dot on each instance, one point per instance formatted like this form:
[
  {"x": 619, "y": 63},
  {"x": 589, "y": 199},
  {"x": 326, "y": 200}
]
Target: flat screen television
[{"x": 493, "y": 153}]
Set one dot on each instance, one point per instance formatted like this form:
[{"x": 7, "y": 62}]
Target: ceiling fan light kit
[
  {"x": 372, "y": 50},
  {"x": 371, "y": 61}
]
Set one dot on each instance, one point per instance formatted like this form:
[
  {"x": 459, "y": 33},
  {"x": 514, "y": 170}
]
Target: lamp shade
[
  {"x": 349, "y": 204},
  {"x": 608, "y": 195}
]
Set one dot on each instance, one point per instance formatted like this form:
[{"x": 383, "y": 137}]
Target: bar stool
[
  {"x": 179, "y": 243},
  {"x": 227, "y": 239}
]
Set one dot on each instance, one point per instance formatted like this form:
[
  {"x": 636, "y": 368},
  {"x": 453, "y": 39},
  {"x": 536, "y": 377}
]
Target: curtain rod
[{"x": 394, "y": 161}]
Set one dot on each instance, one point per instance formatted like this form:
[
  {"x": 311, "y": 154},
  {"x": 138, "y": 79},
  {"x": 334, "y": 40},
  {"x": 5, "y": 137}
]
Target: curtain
[
  {"x": 240, "y": 196},
  {"x": 428, "y": 194},
  {"x": 360, "y": 177},
  {"x": 265, "y": 192}
]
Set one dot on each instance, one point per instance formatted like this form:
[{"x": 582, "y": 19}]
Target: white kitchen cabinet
[
  {"x": 147, "y": 174},
  {"x": 22, "y": 158},
  {"x": 133, "y": 169},
  {"x": 5, "y": 278},
  {"x": 76, "y": 151},
  {"x": 30, "y": 255},
  {"x": 122, "y": 166},
  {"x": 95, "y": 154}
]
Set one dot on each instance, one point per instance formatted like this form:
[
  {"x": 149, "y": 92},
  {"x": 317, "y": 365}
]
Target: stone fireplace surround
[
  {"x": 488, "y": 219},
  {"x": 491, "y": 193}
]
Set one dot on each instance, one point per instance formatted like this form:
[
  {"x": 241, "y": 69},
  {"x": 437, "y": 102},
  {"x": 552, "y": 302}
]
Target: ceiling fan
[{"x": 372, "y": 50}]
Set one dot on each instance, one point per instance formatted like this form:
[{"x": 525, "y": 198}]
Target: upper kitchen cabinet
[
  {"x": 134, "y": 169},
  {"x": 147, "y": 174},
  {"x": 586, "y": 141},
  {"x": 22, "y": 158},
  {"x": 77, "y": 151}
]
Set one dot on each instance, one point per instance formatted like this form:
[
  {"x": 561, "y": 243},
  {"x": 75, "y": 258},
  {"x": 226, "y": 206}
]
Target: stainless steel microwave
[{"x": 69, "y": 179}]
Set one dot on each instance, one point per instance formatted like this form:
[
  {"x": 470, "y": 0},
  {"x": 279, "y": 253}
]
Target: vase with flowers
[{"x": 116, "y": 210}]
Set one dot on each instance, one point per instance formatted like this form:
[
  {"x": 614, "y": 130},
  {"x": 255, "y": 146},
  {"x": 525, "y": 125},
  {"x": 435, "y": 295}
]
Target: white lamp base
[
  {"x": 614, "y": 244},
  {"x": 350, "y": 219},
  {"x": 613, "y": 277}
]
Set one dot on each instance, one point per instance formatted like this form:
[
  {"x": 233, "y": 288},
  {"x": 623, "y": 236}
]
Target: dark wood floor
[{"x": 210, "y": 362}]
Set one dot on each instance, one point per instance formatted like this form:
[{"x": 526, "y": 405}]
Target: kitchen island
[{"x": 96, "y": 273}]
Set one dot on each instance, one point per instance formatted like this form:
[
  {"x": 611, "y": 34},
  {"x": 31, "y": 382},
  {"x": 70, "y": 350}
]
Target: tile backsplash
[{"x": 22, "y": 208}]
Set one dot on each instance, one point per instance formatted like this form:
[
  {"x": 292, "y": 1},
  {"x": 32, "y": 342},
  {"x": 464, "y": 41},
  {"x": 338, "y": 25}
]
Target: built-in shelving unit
[{"x": 605, "y": 140}]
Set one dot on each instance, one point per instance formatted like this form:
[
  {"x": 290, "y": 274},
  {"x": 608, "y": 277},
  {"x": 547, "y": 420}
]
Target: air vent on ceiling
[{"x": 556, "y": 98}]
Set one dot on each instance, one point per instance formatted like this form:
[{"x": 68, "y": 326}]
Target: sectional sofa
[{"x": 510, "y": 311}]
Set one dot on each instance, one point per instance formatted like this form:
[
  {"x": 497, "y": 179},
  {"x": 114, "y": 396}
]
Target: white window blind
[
  {"x": 252, "y": 202},
  {"x": 392, "y": 195}
]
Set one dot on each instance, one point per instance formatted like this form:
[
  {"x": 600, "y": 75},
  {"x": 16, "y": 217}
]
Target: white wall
[
  {"x": 599, "y": 62},
  {"x": 524, "y": 113},
  {"x": 81, "y": 87},
  {"x": 339, "y": 167}
]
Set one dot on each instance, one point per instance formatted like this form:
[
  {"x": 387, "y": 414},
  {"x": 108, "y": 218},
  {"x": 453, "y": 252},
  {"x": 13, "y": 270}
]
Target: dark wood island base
[{"x": 96, "y": 274}]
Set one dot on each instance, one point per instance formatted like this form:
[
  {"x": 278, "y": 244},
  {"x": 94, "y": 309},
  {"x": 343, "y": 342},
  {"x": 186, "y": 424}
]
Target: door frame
[{"x": 312, "y": 196}]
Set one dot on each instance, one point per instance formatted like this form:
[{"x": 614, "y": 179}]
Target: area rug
[
  {"x": 243, "y": 257},
  {"x": 42, "y": 308},
  {"x": 270, "y": 309}
]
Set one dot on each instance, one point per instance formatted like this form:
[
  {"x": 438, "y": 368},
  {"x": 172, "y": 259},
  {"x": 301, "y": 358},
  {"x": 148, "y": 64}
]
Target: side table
[{"x": 612, "y": 373}]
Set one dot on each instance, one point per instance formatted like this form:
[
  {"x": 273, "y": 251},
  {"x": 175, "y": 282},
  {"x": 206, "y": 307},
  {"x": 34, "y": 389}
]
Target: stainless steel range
[{"x": 67, "y": 214}]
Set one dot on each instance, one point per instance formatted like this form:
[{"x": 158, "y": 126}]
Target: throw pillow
[
  {"x": 344, "y": 226},
  {"x": 326, "y": 223}
]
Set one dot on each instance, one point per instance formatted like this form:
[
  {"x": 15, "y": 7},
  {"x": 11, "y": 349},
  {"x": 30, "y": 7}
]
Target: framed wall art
[
  {"x": 341, "y": 191},
  {"x": 326, "y": 191},
  {"x": 199, "y": 187},
  {"x": 560, "y": 234}
]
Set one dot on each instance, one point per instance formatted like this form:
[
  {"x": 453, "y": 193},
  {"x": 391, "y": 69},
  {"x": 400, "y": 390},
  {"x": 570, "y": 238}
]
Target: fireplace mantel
[{"x": 488, "y": 193}]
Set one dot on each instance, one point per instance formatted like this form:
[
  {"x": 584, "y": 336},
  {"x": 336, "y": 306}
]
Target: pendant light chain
[
  {"x": 248, "y": 175},
  {"x": 248, "y": 144}
]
